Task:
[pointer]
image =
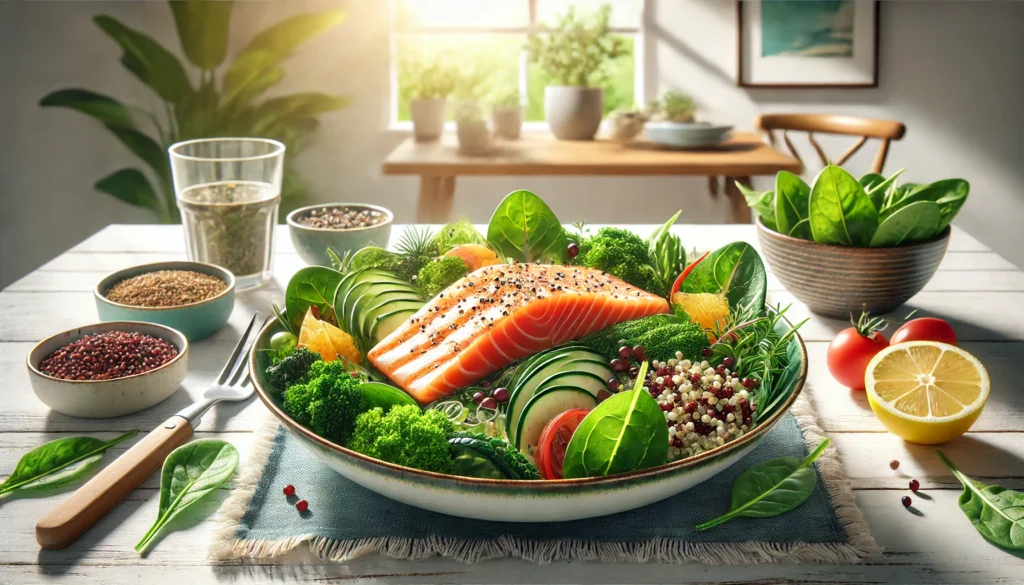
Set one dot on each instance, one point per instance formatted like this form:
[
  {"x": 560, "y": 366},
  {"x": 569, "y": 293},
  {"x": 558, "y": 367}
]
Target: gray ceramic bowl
[
  {"x": 195, "y": 321},
  {"x": 312, "y": 243},
  {"x": 108, "y": 398},
  {"x": 837, "y": 281}
]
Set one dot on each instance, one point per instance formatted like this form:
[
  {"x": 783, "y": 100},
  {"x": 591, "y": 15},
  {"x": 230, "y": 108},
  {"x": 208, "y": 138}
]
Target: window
[{"x": 484, "y": 40}]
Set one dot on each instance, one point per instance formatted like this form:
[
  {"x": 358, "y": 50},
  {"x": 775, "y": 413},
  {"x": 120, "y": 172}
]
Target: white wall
[{"x": 950, "y": 70}]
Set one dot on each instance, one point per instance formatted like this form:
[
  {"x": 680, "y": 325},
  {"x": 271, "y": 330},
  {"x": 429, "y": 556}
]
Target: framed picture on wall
[{"x": 807, "y": 44}]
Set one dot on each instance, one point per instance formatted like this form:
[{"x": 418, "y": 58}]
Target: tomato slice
[{"x": 554, "y": 439}]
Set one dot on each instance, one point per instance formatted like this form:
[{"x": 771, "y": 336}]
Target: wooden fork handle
[{"x": 72, "y": 517}]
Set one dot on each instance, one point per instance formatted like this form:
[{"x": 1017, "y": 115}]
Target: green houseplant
[
  {"x": 574, "y": 52},
  {"x": 507, "y": 114},
  {"x": 210, "y": 98},
  {"x": 429, "y": 82}
]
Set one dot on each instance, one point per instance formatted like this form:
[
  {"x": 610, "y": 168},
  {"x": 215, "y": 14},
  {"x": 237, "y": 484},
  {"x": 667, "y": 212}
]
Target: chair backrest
[{"x": 866, "y": 128}]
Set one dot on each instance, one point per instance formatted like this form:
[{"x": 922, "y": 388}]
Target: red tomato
[
  {"x": 924, "y": 329},
  {"x": 554, "y": 439},
  {"x": 849, "y": 354}
]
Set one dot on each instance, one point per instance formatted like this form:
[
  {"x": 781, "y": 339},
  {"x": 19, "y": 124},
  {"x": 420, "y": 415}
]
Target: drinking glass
[{"x": 229, "y": 191}]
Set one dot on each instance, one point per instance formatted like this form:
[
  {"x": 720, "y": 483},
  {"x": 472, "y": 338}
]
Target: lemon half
[{"x": 926, "y": 392}]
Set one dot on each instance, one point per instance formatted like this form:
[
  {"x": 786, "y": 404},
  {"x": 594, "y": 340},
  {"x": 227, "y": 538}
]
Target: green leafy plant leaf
[
  {"x": 626, "y": 432},
  {"x": 56, "y": 464},
  {"x": 190, "y": 473},
  {"x": 735, "y": 270},
  {"x": 146, "y": 149},
  {"x": 910, "y": 223},
  {"x": 878, "y": 191},
  {"x": 839, "y": 210},
  {"x": 132, "y": 187},
  {"x": 456, "y": 233},
  {"x": 791, "y": 201},
  {"x": 771, "y": 488},
  {"x": 281, "y": 39},
  {"x": 154, "y": 65},
  {"x": 762, "y": 202},
  {"x": 870, "y": 180},
  {"x": 203, "y": 30},
  {"x": 996, "y": 512},
  {"x": 312, "y": 286},
  {"x": 949, "y": 194},
  {"x": 668, "y": 252},
  {"x": 524, "y": 228},
  {"x": 295, "y": 108},
  {"x": 105, "y": 109}
]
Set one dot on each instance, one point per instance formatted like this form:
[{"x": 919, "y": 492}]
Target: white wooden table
[{"x": 979, "y": 292}]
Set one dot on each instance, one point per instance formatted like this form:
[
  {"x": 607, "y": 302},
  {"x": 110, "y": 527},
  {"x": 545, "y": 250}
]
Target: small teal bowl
[
  {"x": 196, "y": 321},
  {"x": 311, "y": 243}
]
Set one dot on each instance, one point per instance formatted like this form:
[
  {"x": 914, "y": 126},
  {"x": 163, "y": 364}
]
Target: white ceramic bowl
[
  {"x": 108, "y": 398},
  {"x": 690, "y": 135}
]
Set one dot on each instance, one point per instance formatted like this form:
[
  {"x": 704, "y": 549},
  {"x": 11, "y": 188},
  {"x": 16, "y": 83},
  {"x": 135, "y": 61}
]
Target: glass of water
[{"x": 229, "y": 191}]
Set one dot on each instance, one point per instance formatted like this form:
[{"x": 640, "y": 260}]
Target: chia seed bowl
[
  {"x": 346, "y": 231},
  {"x": 195, "y": 320},
  {"x": 112, "y": 397}
]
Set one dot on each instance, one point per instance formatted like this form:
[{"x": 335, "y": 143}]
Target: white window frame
[{"x": 639, "y": 69}]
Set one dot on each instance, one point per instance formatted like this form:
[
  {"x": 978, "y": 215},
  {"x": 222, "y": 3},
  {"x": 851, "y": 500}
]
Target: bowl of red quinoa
[
  {"x": 191, "y": 297},
  {"x": 108, "y": 369},
  {"x": 342, "y": 227}
]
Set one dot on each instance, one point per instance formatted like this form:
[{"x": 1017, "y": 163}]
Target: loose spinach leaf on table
[
  {"x": 313, "y": 286},
  {"x": 910, "y": 223},
  {"x": 771, "y": 488},
  {"x": 190, "y": 473},
  {"x": 840, "y": 211},
  {"x": 524, "y": 228},
  {"x": 791, "y": 202},
  {"x": 735, "y": 270},
  {"x": 996, "y": 512},
  {"x": 56, "y": 464},
  {"x": 626, "y": 432}
]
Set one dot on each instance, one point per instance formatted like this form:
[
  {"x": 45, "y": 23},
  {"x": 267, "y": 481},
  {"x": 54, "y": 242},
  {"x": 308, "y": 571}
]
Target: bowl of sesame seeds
[
  {"x": 191, "y": 297},
  {"x": 108, "y": 369},
  {"x": 342, "y": 227}
]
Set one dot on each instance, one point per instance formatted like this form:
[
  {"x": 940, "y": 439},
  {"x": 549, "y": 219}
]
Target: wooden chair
[{"x": 866, "y": 128}]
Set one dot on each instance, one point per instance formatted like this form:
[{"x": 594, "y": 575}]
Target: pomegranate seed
[
  {"x": 633, "y": 371},
  {"x": 906, "y": 501},
  {"x": 720, "y": 370},
  {"x": 302, "y": 505},
  {"x": 894, "y": 464},
  {"x": 501, "y": 394},
  {"x": 619, "y": 365},
  {"x": 666, "y": 407},
  {"x": 747, "y": 382},
  {"x": 695, "y": 378},
  {"x": 625, "y": 352},
  {"x": 574, "y": 249},
  {"x": 640, "y": 353},
  {"x": 706, "y": 352},
  {"x": 915, "y": 485},
  {"x": 728, "y": 362},
  {"x": 677, "y": 443},
  {"x": 613, "y": 384},
  {"x": 289, "y": 490},
  {"x": 478, "y": 397},
  {"x": 489, "y": 403}
]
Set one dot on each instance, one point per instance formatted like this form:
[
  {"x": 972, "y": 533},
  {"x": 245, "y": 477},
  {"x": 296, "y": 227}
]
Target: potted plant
[
  {"x": 430, "y": 84},
  {"x": 673, "y": 107},
  {"x": 507, "y": 115},
  {"x": 471, "y": 129},
  {"x": 574, "y": 53},
  {"x": 843, "y": 245}
]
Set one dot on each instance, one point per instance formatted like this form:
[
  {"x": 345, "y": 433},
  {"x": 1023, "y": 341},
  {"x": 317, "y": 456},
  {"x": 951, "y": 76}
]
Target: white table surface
[{"x": 979, "y": 292}]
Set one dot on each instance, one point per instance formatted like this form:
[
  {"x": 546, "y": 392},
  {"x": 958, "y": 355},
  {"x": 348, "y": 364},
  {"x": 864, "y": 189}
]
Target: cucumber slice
[
  {"x": 385, "y": 323},
  {"x": 538, "y": 360},
  {"x": 567, "y": 371},
  {"x": 368, "y": 278},
  {"x": 541, "y": 409},
  {"x": 590, "y": 376},
  {"x": 558, "y": 361},
  {"x": 378, "y": 305},
  {"x": 344, "y": 287}
]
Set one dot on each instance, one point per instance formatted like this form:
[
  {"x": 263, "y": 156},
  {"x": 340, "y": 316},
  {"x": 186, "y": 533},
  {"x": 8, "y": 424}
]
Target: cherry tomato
[
  {"x": 924, "y": 329},
  {"x": 849, "y": 354},
  {"x": 554, "y": 439}
]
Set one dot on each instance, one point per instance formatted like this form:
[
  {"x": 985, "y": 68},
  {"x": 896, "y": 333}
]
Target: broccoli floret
[
  {"x": 292, "y": 369},
  {"x": 660, "y": 335},
  {"x": 623, "y": 254},
  {"x": 440, "y": 274},
  {"x": 327, "y": 401},
  {"x": 405, "y": 436}
]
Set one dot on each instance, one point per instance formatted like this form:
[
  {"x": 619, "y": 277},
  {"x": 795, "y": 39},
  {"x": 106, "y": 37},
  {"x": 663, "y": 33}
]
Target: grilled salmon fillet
[{"x": 499, "y": 314}]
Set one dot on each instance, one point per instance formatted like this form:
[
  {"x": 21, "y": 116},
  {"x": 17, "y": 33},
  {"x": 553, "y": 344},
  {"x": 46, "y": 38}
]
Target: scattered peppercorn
[
  {"x": 289, "y": 490},
  {"x": 165, "y": 288},
  {"x": 107, "y": 356},
  {"x": 915, "y": 485},
  {"x": 906, "y": 501},
  {"x": 302, "y": 505},
  {"x": 342, "y": 218},
  {"x": 894, "y": 464}
]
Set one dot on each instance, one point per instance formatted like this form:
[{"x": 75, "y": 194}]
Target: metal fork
[{"x": 72, "y": 517}]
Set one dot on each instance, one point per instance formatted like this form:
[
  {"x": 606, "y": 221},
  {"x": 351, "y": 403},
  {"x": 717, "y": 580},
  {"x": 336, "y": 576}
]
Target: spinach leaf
[
  {"x": 771, "y": 488},
  {"x": 626, "y": 432},
  {"x": 763, "y": 202},
  {"x": 791, "y": 202},
  {"x": 456, "y": 233},
  {"x": 840, "y": 211},
  {"x": 910, "y": 223},
  {"x": 735, "y": 270},
  {"x": 190, "y": 473},
  {"x": 668, "y": 252},
  {"x": 949, "y": 194},
  {"x": 878, "y": 191},
  {"x": 524, "y": 228},
  {"x": 870, "y": 180},
  {"x": 996, "y": 512},
  {"x": 56, "y": 464},
  {"x": 384, "y": 396},
  {"x": 468, "y": 462},
  {"x": 312, "y": 286}
]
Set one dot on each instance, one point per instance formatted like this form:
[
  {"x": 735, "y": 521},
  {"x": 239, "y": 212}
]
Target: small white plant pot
[
  {"x": 428, "y": 118},
  {"x": 573, "y": 113},
  {"x": 507, "y": 122},
  {"x": 474, "y": 138}
]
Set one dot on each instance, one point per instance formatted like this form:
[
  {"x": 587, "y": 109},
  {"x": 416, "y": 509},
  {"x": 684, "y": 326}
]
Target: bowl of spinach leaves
[{"x": 843, "y": 245}]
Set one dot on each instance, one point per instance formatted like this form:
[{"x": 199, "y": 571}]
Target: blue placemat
[{"x": 346, "y": 520}]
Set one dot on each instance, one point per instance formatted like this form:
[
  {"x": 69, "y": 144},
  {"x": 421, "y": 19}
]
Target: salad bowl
[{"x": 519, "y": 500}]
